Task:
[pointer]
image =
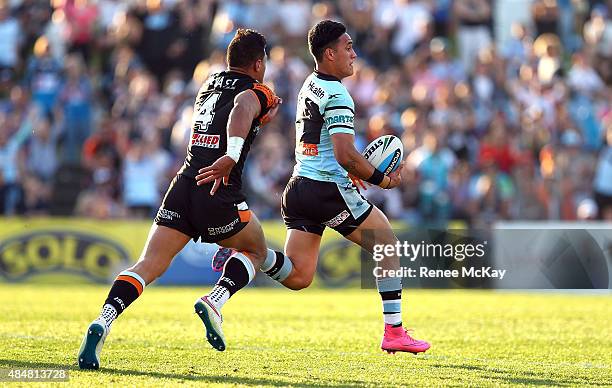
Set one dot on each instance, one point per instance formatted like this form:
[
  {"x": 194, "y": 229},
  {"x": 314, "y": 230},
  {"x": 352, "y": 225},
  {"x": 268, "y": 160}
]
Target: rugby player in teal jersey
[{"x": 322, "y": 193}]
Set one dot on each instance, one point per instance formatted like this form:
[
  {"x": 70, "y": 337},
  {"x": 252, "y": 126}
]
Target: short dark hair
[
  {"x": 246, "y": 47},
  {"x": 323, "y": 35}
]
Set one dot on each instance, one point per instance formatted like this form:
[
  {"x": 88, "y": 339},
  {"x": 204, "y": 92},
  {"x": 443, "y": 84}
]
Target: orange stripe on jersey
[
  {"x": 270, "y": 96},
  {"x": 131, "y": 280},
  {"x": 245, "y": 215}
]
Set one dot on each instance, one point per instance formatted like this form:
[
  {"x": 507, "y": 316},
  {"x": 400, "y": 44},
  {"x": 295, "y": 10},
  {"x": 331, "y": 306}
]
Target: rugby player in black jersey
[{"x": 229, "y": 109}]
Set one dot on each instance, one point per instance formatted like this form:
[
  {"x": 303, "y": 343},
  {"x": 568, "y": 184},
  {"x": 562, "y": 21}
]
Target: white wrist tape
[{"x": 234, "y": 147}]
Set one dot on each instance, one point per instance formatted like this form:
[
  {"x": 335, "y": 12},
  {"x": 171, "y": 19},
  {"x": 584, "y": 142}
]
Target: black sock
[
  {"x": 237, "y": 273},
  {"x": 125, "y": 289}
]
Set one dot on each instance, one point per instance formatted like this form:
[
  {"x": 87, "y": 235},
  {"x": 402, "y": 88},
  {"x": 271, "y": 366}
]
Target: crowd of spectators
[{"x": 496, "y": 124}]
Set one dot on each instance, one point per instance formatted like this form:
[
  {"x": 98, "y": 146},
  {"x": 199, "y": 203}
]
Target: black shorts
[
  {"x": 191, "y": 209},
  {"x": 311, "y": 205}
]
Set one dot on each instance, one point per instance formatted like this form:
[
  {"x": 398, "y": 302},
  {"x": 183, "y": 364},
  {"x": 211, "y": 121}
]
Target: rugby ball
[{"x": 385, "y": 153}]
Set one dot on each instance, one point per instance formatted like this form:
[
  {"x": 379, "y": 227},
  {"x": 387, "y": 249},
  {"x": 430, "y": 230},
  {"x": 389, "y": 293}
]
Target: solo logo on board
[{"x": 60, "y": 251}]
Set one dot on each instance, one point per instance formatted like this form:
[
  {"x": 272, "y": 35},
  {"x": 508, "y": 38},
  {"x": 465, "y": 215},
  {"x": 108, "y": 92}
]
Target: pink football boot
[{"x": 396, "y": 339}]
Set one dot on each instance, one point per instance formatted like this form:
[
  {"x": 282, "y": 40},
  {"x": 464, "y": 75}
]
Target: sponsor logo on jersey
[
  {"x": 337, "y": 220},
  {"x": 317, "y": 91},
  {"x": 308, "y": 149},
  {"x": 223, "y": 229},
  {"x": 207, "y": 141},
  {"x": 339, "y": 119}
]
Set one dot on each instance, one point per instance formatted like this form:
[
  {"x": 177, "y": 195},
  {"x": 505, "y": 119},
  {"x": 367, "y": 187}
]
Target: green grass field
[{"x": 315, "y": 338}]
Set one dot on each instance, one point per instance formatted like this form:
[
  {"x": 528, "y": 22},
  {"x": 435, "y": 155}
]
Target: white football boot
[
  {"x": 91, "y": 347},
  {"x": 212, "y": 321}
]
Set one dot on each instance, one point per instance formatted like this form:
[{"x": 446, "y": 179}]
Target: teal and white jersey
[{"x": 324, "y": 108}]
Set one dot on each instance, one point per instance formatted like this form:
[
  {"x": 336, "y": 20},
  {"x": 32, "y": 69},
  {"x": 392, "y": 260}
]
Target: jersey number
[{"x": 206, "y": 112}]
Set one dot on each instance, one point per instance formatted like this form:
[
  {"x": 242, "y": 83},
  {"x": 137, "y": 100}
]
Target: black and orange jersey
[{"x": 213, "y": 104}]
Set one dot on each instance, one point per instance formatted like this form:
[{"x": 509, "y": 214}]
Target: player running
[
  {"x": 321, "y": 194},
  {"x": 228, "y": 112}
]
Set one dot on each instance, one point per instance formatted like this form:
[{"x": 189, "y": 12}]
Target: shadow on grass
[
  {"x": 6, "y": 363},
  {"x": 504, "y": 376},
  {"x": 509, "y": 376}
]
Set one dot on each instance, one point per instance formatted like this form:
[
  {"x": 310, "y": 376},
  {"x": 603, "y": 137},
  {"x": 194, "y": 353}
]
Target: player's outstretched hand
[
  {"x": 218, "y": 171},
  {"x": 396, "y": 176}
]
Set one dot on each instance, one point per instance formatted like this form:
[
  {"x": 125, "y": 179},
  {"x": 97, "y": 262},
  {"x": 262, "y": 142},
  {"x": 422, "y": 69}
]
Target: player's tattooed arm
[
  {"x": 349, "y": 158},
  {"x": 351, "y": 166}
]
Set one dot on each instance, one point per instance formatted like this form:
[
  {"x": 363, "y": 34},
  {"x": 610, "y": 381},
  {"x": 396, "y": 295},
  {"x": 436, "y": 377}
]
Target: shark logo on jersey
[{"x": 311, "y": 109}]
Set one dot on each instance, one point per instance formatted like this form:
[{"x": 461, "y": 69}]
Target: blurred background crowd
[{"x": 503, "y": 106}]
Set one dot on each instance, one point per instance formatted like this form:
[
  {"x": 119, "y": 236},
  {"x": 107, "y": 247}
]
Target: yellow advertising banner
[
  {"x": 91, "y": 249},
  {"x": 85, "y": 250}
]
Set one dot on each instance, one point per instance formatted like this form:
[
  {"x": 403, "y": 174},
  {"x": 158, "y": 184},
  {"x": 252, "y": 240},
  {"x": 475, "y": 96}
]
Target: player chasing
[
  {"x": 229, "y": 109},
  {"x": 320, "y": 192}
]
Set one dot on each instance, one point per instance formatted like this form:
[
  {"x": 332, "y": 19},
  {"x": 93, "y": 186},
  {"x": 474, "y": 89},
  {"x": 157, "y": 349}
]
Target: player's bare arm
[{"x": 357, "y": 166}]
